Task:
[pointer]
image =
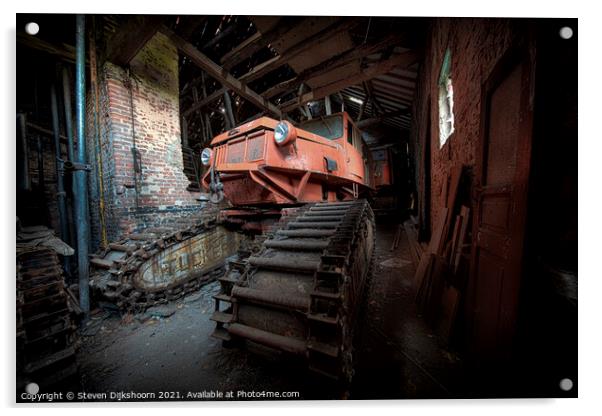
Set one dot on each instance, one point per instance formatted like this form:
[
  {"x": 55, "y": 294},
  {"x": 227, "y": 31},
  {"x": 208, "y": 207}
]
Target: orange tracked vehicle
[
  {"x": 266, "y": 162},
  {"x": 301, "y": 290}
]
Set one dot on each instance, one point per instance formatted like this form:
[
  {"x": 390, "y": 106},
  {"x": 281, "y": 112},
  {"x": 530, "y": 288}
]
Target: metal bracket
[
  {"x": 331, "y": 164},
  {"x": 68, "y": 166}
]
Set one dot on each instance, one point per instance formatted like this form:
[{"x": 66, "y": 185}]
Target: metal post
[
  {"x": 228, "y": 111},
  {"x": 209, "y": 134},
  {"x": 79, "y": 175},
  {"x": 327, "y": 105},
  {"x": 23, "y": 160},
  {"x": 62, "y": 207},
  {"x": 68, "y": 113},
  {"x": 41, "y": 178}
]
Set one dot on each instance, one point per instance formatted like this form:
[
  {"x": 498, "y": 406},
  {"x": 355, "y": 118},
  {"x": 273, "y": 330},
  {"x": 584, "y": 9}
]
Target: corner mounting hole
[
  {"x": 566, "y": 32},
  {"x": 32, "y": 28},
  {"x": 566, "y": 384},
  {"x": 32, "y": 388}
]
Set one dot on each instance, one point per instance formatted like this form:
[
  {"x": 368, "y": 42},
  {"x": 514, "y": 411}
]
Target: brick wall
[
  {"x": 162, "y": 198},
  {"x": 476, "y": 45}
]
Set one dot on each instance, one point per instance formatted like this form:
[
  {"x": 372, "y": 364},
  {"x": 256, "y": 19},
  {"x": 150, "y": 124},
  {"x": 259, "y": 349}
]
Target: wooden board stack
[{"x": 437, "y": 298}]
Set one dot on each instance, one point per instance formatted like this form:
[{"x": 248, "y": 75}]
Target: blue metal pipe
[{"x": 79, "y": 176}]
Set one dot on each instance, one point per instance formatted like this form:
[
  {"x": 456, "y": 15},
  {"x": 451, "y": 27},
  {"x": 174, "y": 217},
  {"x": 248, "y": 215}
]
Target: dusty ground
[{"x": 398, "y": 356}]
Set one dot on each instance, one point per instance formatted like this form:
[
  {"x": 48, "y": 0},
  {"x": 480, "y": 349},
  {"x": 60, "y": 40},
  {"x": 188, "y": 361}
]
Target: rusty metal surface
[
  {"x": 177, "y": 263},
  {"x": 277, "y": 300},
  {"x": 154, "y": 268},
  {"x": 252, "y": 169}
]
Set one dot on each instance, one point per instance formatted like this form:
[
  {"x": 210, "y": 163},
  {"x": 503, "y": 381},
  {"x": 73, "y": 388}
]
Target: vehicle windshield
[{"x": 329, "y": 127}]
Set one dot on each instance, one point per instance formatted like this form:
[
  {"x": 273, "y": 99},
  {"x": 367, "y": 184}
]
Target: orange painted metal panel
[{"x": 255, "y": 170}]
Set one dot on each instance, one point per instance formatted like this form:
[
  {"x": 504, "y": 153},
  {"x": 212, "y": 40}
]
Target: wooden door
[{"x": 501, "y": 194}]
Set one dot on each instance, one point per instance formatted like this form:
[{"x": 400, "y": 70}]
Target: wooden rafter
[
  {"x": 299, "y": 48},
  {"x": 221, "y": 35},
  {"x": 369, "y": 89},
  {"x": 131, "y": 37},
  {"x": 333, "y": 63},
  {"x": 402, "y": 60},
  {"x": 391, "y": 114},
  {"x": 205, "y": 101},
  {"x": 65, "y": 52},
  {"x": 220, "y": 74},
  {"x": 189, "y": 24},
  {"x": 253, "y": 44}
]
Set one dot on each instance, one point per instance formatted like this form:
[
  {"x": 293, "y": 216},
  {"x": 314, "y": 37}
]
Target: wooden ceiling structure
[
  {"x": 293, "y": 67},
  {"x": 236, "y": 68}
]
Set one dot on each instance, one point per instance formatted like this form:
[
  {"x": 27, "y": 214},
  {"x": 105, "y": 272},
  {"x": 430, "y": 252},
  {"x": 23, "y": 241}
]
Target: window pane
[{"x": 328, "y": 127}]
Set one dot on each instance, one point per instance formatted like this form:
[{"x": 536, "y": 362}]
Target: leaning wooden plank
[
  {"x": 449, "y": 201},
  {"x": 438, "y": 235},
  {"x": 465, "y": 214},
  {"x": 454, "y": 238},
  {"x": 422, "y": 272}
]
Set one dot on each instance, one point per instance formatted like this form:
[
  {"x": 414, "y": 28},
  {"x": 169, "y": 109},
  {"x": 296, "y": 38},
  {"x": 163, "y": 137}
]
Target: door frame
[{"x": 521, "y": 52}]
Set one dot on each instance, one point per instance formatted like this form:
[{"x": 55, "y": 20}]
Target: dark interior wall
[
  {"x": 35, "y": 74},
  {"x": 475, "y": 45},
  {"x": 545, "y": 344},
  {"x": 547, "y": 341}
]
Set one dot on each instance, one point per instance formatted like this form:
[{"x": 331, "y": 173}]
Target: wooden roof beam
[
  {"x": 220, "y": 74},
  {"x": 131, "y": 37},
  {"x": 374, "y": 120},
  {"x": 205, "y": 101},
  {"x": 402, "y": 60},
  {"x": 232, "y": 26},
  {"x": 370, "y": 94},
  {"x": 334, "y": 63},
  {"x": 65, "y": 52},
  {"x": 188, "y": 24},
  {"x": 255, "y": 43},
  {"x": 299, "y": 48}
]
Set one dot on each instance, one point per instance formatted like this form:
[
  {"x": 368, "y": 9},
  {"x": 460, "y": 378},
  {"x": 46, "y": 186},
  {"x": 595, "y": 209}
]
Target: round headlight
[
  {"x": 284, "y": 133},
  {"x": 281, "y": 132},
  {"x": 206, "y": 156}
]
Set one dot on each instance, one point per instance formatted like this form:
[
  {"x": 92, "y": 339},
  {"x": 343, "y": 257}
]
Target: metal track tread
[
  {"x": 340, "y": 237},
  {"x": 113, "y": 270}
]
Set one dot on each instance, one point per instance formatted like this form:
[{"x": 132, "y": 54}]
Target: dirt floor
[{"x": 169, "y": 349}]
